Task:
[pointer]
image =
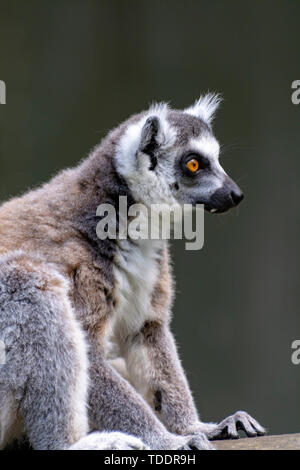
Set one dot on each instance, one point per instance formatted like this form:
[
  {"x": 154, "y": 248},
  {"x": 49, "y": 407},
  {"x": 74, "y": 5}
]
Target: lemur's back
[{"x": 35, "y": 221}]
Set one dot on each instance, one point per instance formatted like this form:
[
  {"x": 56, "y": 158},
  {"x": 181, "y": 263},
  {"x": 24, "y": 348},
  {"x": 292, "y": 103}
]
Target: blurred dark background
[{"x": 75, "y": 68}]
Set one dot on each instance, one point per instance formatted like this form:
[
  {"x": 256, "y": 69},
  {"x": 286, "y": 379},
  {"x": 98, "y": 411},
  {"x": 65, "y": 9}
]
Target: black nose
[
  {"x": 237, "y": 196},
  {"x": 226, "y": 197}
]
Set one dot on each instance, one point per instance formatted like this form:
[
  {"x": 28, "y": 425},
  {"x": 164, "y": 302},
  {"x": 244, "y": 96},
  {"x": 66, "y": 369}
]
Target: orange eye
[{"x": 193, "y": 165}]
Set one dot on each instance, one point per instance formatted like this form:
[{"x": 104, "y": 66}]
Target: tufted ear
[
  {"x": 205, "y": 107},
  {"x": 149, "y": 135}
]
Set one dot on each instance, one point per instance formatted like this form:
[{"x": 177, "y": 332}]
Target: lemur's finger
[
  {"x": 232, "y": 430},
  {"x": 259, "y": 429},
  {"x": 226, "y": 429},
  {"x": 247, "y": 420},
  {"x": 246, "y": 426}
]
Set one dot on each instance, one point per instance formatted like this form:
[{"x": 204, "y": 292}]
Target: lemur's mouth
[
  {"x": 214, "y": 210},
  {"x": 209, "y": 207}
]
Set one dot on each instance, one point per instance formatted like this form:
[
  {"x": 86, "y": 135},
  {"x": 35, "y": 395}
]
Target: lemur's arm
[
  {"x": 155, "y": 370},
  {"x": 114, "y": 405}
]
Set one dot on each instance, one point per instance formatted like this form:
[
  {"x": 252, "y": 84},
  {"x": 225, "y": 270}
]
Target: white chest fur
[{"x": 136, "y": 274}]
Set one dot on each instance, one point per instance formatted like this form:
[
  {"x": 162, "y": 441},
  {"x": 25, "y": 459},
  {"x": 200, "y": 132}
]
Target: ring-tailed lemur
[{"x": 65, "y": 295}]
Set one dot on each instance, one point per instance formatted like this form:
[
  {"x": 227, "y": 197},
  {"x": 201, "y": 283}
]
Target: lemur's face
[{"x": 172, "y": 157}]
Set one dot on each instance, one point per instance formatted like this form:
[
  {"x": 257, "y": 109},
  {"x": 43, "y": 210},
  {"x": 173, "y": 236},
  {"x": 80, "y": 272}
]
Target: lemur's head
[{"x": 171, "y": 156}]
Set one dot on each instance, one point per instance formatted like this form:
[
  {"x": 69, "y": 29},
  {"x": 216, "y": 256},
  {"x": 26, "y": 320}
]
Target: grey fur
[
  {"x": 39, "y": 375},
  {"x": 187, "y": 126}
]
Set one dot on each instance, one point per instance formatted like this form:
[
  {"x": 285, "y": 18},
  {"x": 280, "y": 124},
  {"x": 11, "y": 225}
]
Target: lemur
[{"x": 90, "y": 358}]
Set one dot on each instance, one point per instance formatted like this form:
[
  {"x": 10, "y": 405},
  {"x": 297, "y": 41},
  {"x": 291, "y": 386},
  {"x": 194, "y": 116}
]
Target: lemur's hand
[
  {"x": 229, "y": 427},
  {"x": 239, "y": 421},
  {"x": 196, "y": 441}
]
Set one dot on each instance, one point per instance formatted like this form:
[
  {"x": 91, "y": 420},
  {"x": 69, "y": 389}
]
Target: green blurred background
[{"x": 75, "y": 68}]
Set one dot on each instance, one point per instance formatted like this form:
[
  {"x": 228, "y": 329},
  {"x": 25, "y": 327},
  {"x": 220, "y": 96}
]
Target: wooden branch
[{"x": 280, "y": 442}]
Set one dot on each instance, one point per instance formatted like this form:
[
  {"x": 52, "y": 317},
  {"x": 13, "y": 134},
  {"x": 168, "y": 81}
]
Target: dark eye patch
[{"x": 174, "y": 186}]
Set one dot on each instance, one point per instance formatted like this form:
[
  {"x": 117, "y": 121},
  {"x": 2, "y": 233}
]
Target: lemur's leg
[
  {"x": 45, "y": 369},
  {"x": 116, "y": 406},
  {"x": 155, "y": 370}
]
